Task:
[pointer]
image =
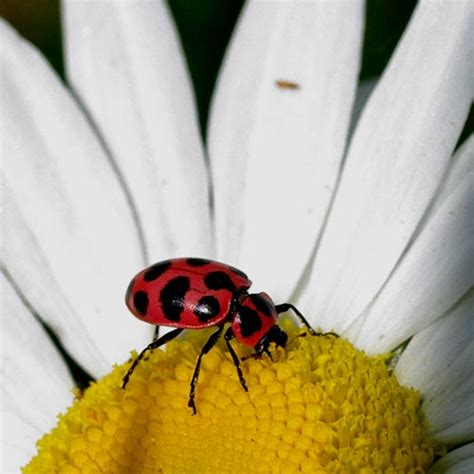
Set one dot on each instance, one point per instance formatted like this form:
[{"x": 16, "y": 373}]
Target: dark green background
[{"x": 205, "y": 27}]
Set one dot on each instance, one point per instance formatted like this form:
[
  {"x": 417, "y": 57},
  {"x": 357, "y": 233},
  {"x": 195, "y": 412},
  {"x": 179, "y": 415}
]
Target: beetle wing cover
[{"x": 185, "y": 292}]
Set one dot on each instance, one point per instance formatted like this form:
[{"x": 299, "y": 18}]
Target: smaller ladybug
[{"x": 194, "y": 293}]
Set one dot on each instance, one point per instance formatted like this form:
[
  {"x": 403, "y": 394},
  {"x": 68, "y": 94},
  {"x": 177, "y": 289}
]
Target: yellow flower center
[{"x": 319, "y": 406}]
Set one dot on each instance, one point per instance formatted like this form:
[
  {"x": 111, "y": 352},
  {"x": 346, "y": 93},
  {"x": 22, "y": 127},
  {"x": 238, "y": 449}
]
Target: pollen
[{"x": 318, "y": 405}]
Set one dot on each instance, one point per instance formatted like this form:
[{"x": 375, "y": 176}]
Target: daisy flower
[{"x": 358, "y": 212}]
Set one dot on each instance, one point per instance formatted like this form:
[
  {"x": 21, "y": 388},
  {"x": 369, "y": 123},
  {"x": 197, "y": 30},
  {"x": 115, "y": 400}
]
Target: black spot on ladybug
[
  {"x": 207, "y": 308},
  {"x": 219, "y": 281},
  {"x": 249, "y": 321},
  {"x": 197, "y": 262},
  {"x": 156, "y": 270},
  {"x": 262, "y": 304},
  {"x": 128, "y": 294},
  {"x": 172, "y": 297},
  {"x": 238, "y": 272},
  {"x": 140, "y": 301}
]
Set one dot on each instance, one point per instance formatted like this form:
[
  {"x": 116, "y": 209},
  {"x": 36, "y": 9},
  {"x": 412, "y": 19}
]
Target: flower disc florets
[{"x": 319, "y": 406}]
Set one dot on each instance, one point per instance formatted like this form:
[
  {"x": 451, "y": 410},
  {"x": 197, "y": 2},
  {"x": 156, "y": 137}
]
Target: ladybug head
[{"x": 276, "y": 335}]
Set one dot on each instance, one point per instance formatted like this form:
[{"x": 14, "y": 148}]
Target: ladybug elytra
[{"x": 195, "y": 293}]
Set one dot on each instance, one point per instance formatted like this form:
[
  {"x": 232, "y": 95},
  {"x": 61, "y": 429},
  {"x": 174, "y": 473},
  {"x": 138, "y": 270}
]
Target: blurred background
[{"x": 205, "y": 27}]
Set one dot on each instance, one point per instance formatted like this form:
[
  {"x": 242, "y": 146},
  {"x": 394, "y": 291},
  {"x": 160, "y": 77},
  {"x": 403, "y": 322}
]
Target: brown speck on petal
[{"x": 284, "y": 84}]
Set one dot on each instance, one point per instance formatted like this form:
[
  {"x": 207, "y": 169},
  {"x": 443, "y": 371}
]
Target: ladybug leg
[
  {"x": 333, "y": 334},
  {"x": 283, "y": 308},
  {"x": 156, "y": 334},
  {"x": 259, "y": 353},
  {"x": 269, "y": 354},
  {"x": 206, "y": 348},
  {"x": 153, "y": 345},
  {"x": 229, "y": 334}
]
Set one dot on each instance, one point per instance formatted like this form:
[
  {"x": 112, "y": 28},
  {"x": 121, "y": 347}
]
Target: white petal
[
  {"x": 462, "y": 164},
  {"x": 71, "y": 201},
  {"x": 435, "y": 349},
  {"x": 397, "y": 157},
  {"x": 124, "y": 61},
  {"x": 364, "y": 91},
  {"x": 36, "y": 384},
  {"x": 275, "y": 151},
  {"x": 459, "y": 461},
  {"x": 438, "y": 362},
  {"x": 452, "y": 415},
  {"x": 32, "y": 272},
  {"x": 434, "y": 273}
]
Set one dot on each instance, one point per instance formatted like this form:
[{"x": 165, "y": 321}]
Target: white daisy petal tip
[{"x": 8, "y": 35}]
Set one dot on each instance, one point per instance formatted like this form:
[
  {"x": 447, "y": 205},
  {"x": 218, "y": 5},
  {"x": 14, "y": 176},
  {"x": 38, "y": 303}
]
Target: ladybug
[{"x": 195, "y": 293}]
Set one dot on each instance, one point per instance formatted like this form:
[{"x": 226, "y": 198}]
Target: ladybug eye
[
  {"x": 280, "y": 338},
  {"x": 276, "y": 335}
]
